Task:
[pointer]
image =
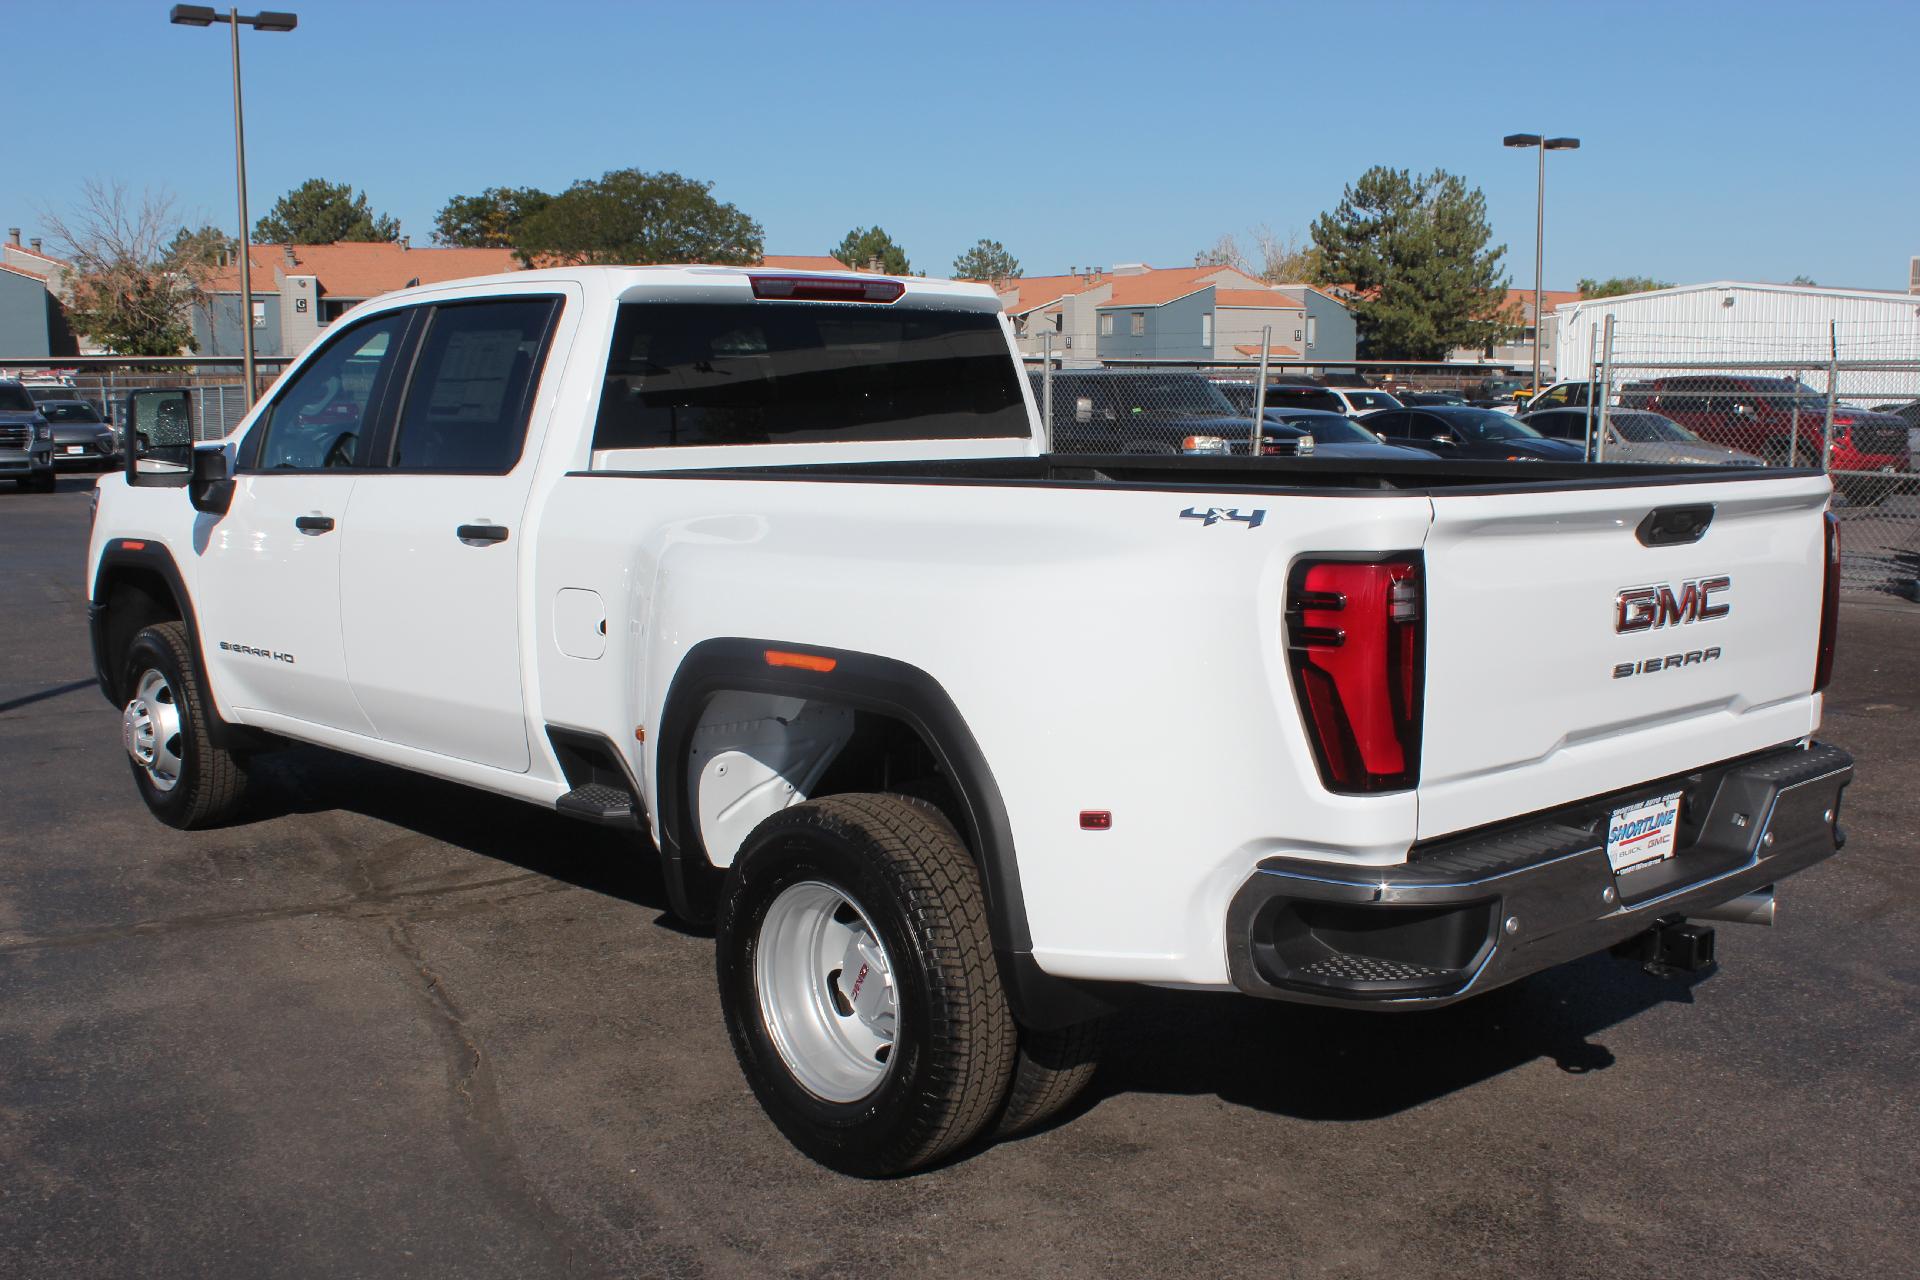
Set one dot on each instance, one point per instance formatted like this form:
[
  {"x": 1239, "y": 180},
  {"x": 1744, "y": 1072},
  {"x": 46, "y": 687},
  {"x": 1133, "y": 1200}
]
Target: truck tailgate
[{"x": 1566, "y": 659}]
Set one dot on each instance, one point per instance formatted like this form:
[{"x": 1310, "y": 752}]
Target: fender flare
[
  {"x": 864, "y": 682},
  {"x": 150, "y": 556}
]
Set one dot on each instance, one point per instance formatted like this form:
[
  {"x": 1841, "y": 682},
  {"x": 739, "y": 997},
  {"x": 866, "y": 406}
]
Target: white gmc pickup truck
[{"x": 949, "y": 738}]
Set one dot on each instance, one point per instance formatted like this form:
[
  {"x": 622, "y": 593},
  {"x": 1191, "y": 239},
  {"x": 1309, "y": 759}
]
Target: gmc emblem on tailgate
[{"x": 1650, "y": 608}]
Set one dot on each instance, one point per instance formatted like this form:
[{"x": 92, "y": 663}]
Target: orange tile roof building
[
  {"x": 1206, "y": 312},
  {"x": 300, "y": 289}
]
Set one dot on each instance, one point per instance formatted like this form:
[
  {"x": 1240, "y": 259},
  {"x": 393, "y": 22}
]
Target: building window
[
  {"x": 1313, "y": 330},
  {"x": 1138, "y": 325},
  {"x": 1058, "y": 317},
  {"x": 1106, "y": 325},
  {"x": 259, "y": 315},
  {"x": 1206, "y": 330}
]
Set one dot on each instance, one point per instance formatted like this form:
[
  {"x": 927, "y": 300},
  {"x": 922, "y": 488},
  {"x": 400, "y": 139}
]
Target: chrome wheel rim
[
  {"x": 150, "y": 730},
  {"x": 827, "y": 993}
]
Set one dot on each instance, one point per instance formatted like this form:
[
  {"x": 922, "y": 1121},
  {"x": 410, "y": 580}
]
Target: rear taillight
[
  {"x": 1829, "y": 608},
  {"x": 1354, "y": 645},
  {"x": 826, "y": 289}
]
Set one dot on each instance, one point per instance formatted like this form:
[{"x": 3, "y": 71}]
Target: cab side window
[
  {"x": 472, "y": 386},
  {"x": 323, "y": 418},
  {"x": 1392, "y": 423}
]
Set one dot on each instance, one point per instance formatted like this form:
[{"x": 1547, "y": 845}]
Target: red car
[{"x": 1778, "y": 419}]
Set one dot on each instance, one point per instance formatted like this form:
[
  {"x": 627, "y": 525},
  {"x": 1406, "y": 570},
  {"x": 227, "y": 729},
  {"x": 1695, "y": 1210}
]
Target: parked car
[
  {"x": 1560, "y": 395},
  {"x": 1454, "y": 431},
  {"x": 26, "y": 439},
  {"x": 1497, "y": 390},
  {"x": 82, "y": 440},
  {"x": 1141, "y": 411},
  {"x": 951, "y": 743},
  {"x": 1347, "y": 400},
  {"x": 1909, "y": 413},
  {"x": 1334, "y": 435},
  {"x": 1634, "y": 435},
  {"x": 1779, "y": 420},
  {"x": 1415, "y": 398}
]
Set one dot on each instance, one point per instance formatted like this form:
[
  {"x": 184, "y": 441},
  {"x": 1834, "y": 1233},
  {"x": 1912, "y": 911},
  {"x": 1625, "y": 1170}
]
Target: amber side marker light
[{"x": 801, "y": 661}]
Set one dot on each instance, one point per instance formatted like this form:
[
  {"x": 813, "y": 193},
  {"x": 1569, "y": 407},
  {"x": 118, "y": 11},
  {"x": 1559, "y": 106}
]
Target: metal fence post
[
  {"x": 1260, "y": 393},
  {"x": 1593, "y": 381},
  {"x": 1793, "y": 435},
  {"x": 1046, "y": 385},
  {"x": 1606, "y": 389},
  {"x": 1833, "y": 392}
]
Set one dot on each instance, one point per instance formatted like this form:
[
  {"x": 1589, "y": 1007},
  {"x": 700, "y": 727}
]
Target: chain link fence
[
  {"x": 220, "y": 398},
  {"x": 1857, "y": 418},
  {"x": 1843, "y": 399}
]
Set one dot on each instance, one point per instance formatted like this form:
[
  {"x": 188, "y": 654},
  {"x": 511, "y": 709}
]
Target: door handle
[
  {"x": 313, "y": 524},
  {"x": 481, "y": 533}
]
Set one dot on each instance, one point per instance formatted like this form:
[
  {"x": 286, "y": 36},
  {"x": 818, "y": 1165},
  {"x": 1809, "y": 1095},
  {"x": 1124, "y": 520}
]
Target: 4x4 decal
[{"x": 1213, "y": 515}]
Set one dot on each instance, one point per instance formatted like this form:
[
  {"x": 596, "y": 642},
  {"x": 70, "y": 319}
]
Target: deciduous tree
[
  {"x": 1416, "y": 249},
  {"x": 630, "y": 216},
  {"x": 131, "y": 287},
  {"x": 494, "y": 219},
  {"x": 1614, "y": 286},
  {"x": 322, "y": 212}
]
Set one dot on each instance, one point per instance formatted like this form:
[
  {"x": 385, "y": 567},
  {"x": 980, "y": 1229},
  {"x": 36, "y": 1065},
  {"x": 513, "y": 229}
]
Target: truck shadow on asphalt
[
  {"x": 1314, "y": 1063},
  {"x": 1301, "y": 1061},
  {"x": 618, "y": 864}
]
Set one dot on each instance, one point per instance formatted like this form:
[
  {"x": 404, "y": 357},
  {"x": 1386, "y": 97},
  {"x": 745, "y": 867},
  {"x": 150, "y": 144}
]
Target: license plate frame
[
  {"x": 72, "y": 449},
  {"x": 1643, "y": 834}
]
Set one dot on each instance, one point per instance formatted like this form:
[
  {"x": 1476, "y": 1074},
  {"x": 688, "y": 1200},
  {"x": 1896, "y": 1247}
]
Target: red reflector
[
  {"x": 826, "y": 289},
  {"x": 1096, "y": 820},
  {"x": 802, "y": 661},
  {"x": 1354, "y": 644},
  {"x": 132, "y": 544},
  {"x": 1829, "y": 608}
]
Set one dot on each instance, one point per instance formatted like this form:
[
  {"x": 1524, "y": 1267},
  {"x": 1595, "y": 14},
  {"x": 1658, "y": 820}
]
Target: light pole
[
  {"x": 199, "y": 15},
  {"x": 1543, "y": 145}
]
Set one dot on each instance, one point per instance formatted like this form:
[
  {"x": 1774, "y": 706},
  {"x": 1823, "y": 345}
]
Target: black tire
[
  {"x": 1052, "y": 1069},
  {"x": 902, "y": 865},
  {"x": 210, "y": 782}
]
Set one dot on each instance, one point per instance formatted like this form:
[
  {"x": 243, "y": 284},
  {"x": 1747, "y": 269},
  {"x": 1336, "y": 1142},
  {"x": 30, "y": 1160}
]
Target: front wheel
[
  {"x": 184, "y": 778},
  {"x": 859, "y": 983}
]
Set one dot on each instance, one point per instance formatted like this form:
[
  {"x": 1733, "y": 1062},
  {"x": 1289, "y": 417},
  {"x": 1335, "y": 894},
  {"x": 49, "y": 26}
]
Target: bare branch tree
[
  {"x": 1224, "y": 252},
  {"x": 127, "y": 289},
  {"x": 1284, "y": 259}
]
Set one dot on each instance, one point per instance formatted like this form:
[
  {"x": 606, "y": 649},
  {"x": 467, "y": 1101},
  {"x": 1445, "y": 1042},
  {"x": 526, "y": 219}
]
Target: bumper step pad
[{"x": 1469, "y": 913}]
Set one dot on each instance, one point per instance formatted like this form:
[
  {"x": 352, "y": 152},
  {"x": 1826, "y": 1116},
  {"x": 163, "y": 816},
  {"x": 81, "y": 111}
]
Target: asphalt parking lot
[{"x": 390, "y": 1027}]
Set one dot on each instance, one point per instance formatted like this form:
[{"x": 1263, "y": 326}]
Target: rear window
[{"x": 792, "y": 373}]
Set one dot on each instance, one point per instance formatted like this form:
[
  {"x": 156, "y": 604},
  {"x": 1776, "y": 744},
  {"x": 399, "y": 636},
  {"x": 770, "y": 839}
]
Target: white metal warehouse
[{"x": 1730, "y": 323}]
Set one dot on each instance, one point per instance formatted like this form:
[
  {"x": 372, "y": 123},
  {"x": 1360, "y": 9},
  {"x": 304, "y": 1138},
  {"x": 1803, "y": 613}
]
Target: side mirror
[
  {"x": 211, "y": 489},
  {"x": 159, "y": 427}
]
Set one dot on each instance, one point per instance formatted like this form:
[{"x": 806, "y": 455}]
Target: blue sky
[{"x": 1752, "y": 141}]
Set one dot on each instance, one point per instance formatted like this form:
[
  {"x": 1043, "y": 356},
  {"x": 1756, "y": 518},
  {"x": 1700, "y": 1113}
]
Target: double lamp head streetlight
[
  {"x": 1543, "y": 145},
  {"x": 200, "y": 15}
]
